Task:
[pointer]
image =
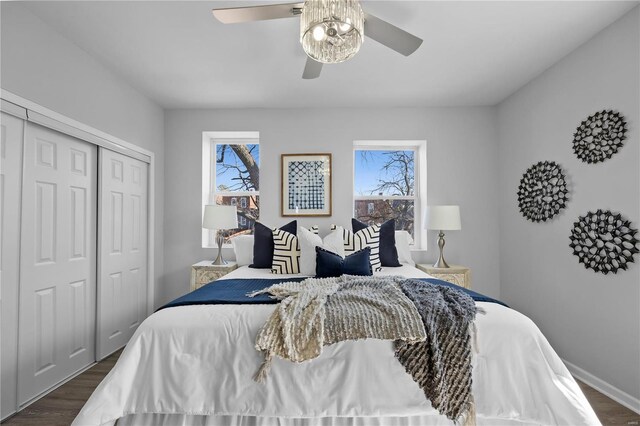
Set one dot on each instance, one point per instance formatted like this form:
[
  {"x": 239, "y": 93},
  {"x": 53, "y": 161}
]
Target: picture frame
[{"x": 306, "y": 185}]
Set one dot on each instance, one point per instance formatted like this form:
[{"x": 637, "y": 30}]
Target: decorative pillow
[
  {"x": 243, "y": 248},
  {"x": 403, "y": 242},
  {"x": 334, "y": 241},
  {"x": 329, "y": 264},
  {"x": 263, "y": 244},
  {"x": 309, "y": 240},
  {"x": 286, "y": 253},
  {"x": 388, "y": 251},
  {"x": 367, "y": 237}
]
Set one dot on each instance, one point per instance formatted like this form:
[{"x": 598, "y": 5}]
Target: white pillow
[
  {"x": 309, "y": 241},
  {"x": 334, "y": 242},
  {"x": 243, "y": 248},
  {"x": 403, "y": 240}
]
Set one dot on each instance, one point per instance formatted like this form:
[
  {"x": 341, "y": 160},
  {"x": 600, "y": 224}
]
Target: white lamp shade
[
  {"x": 220, "y": 217},
  {"x": 443, "y": 218}
]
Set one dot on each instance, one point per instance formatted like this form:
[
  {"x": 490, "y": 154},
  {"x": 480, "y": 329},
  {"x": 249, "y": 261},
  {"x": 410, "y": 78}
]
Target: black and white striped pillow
[
  {"x": 286, "y": 253},
  {"x": 367, "y": 237}
]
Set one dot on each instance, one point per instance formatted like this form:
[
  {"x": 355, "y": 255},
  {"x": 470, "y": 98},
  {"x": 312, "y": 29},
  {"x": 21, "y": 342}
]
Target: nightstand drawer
[
  {"x": 204, "y": 272},
  {"x": 456, "y": 274}
]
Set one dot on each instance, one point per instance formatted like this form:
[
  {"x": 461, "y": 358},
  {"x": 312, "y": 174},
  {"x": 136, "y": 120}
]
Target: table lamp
[
  {"x": 442, "y": 218},
  {"x": 219, "y": 218}
]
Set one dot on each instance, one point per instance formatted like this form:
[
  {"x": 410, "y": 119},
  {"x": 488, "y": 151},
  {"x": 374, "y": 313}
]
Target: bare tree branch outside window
[
  {"x": 237, "y": 169},
  {"x": 393, "y": 176}
]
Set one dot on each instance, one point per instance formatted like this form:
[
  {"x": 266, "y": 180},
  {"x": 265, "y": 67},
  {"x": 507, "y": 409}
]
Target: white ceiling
[{"x": 474, "y": 53}]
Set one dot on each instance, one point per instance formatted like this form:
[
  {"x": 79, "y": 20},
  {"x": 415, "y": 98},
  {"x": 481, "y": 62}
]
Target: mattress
[{"x": 193, "y": 365}]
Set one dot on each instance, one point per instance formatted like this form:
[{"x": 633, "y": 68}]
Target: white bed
[{"x": 193, "y": 365}]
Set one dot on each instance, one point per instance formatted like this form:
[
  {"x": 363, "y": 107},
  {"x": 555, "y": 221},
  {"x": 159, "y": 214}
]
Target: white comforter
[{"x": 199, "y": 360}]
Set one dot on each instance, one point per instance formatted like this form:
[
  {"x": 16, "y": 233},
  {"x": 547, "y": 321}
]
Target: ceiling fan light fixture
[{"x": 331, "y": 31}]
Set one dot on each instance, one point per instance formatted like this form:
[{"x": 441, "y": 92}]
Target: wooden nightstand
[
  {"x": 204, "y": 272},
  {"x": 456, "y": 274}
]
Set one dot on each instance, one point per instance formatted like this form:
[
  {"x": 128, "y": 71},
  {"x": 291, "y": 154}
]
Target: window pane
[
  {"x": 378, "y": 211},
  {"x": 237, "y": 167},
  {"x": 384, "y": 172},
  {"x": 247, "y": 216}
]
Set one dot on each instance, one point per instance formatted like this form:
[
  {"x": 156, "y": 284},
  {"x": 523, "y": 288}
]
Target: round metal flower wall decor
[
  {"x": 604, "y": 241},
  {"x": 542, "y": 192},
  {"x": 599, "y": 136}
]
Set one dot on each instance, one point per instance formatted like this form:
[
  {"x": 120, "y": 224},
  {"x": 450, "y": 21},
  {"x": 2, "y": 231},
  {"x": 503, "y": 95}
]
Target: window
[
  {"x": 231, "y": 176},
  {"x": 387, "y": 184}
]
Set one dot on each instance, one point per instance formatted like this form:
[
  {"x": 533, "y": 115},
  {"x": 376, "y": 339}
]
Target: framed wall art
[{"x": 306, "y": 185}]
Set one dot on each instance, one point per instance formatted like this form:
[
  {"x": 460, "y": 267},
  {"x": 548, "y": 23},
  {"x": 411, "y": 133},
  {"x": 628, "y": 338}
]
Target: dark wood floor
[{"x": 61, "y": 406}]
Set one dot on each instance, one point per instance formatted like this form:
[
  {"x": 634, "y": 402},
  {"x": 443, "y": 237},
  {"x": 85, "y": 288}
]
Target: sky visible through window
[
  {"x": 227, "y": 177},
  {"x": 369, "y": 170}
]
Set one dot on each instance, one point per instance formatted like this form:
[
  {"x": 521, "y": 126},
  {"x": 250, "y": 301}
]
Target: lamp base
[
  {"x": 219, "y": 260},
  {"x": 441, "y": 263}
]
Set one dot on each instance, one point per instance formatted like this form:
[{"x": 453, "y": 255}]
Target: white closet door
[
  {"x": 122, "y": 236},
  {"x": 11, "y": 136},
  {"x": 58, "y": 260}
]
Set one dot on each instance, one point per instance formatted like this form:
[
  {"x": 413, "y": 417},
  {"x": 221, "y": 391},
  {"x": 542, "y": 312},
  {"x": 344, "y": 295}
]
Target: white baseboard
[{"x": 605, "y": 388}]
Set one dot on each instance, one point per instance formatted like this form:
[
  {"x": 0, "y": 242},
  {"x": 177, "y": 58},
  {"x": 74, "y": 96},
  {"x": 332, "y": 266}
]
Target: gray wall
[
  {"x": 42, "y": 66},
  {"x": 592, "y": 320},
  {"x": 462, "y": 169}
]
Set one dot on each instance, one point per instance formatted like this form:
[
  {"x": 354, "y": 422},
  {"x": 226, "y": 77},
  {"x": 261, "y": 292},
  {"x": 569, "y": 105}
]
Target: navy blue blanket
[
  {"x": 234, "y": 292},
  {"x": 474, "y": 295}
]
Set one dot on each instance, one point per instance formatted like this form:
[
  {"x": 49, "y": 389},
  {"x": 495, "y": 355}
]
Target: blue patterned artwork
[{"x": 306, "y": 186}]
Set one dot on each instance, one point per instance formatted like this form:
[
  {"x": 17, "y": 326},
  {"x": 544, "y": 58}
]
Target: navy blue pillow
[
  {"x": 329, "y": 264},
  {"x": 263, "y": 244},
  {"x": 388, "y": 250}
]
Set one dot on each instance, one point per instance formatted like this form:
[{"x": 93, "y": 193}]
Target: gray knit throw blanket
[
  {"x": 318, "y": 312},
  {"x": 430, "y": 325},
  {"x": 442, "y": 364}
]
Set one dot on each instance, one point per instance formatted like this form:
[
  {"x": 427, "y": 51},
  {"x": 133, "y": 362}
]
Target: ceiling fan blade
[
  {"x": 234, "y": 15},
  {"x": 390, "y": 35},
  {"x": 312, "y": 69}
]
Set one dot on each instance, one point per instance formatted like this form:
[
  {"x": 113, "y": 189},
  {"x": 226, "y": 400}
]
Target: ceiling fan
[{"x": 331, "y": 31}]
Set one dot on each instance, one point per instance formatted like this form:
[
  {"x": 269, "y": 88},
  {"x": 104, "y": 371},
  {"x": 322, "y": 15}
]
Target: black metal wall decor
[
  {"x": 542, "y": 192},
  {"x": 599, "y": 136},
  {"x": 604, "y": 241}
]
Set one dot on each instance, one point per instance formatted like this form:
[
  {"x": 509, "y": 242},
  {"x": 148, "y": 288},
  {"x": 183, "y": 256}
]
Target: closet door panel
[
  {"x": 58, "y": 260},
  {"x": 122, "y": 294},
  {"x": 11, "y": 141}
]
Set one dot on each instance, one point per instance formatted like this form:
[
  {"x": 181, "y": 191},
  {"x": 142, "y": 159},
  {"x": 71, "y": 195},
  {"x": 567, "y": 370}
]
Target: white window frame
[
  {"x": 209, "y": 193},
  {"x": 420, "y": 180}
]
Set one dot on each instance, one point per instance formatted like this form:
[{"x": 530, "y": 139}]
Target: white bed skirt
[{"x": 187, "y": 420}]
